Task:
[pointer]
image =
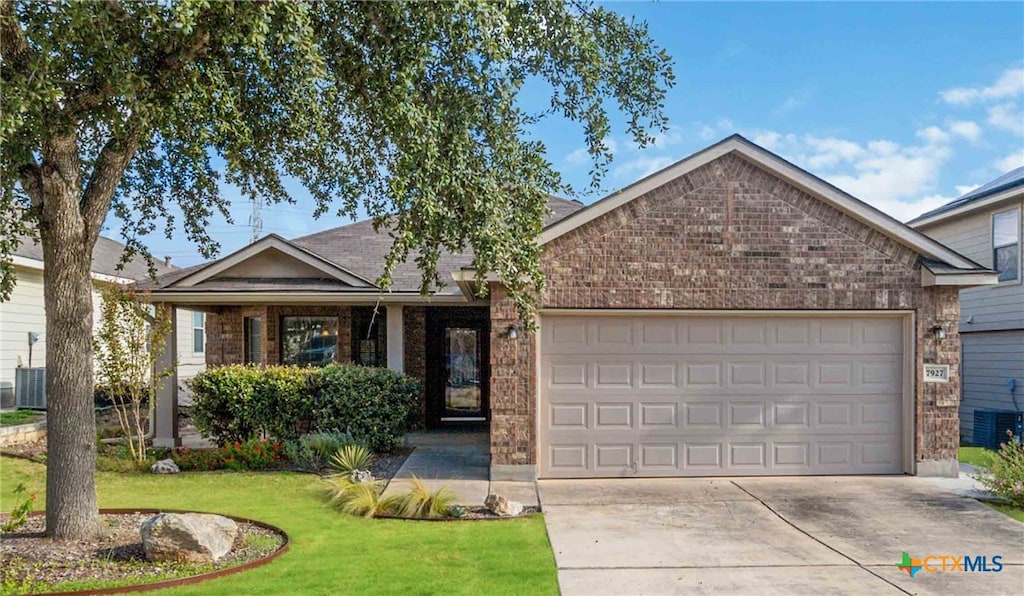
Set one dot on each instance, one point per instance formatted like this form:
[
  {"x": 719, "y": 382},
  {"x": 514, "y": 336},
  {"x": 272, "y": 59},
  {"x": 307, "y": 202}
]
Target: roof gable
[
  {"x": 782, "y": 169},
  {"x": 272, "y": 257}
]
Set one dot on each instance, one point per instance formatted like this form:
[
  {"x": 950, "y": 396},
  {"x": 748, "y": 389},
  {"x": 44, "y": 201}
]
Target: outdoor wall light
[
  {"x": 512, "y": 332},
  {"x": 939, "y": 332}
]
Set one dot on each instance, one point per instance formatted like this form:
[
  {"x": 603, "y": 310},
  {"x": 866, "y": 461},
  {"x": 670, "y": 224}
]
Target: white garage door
[{"x": 640, "y": 395}]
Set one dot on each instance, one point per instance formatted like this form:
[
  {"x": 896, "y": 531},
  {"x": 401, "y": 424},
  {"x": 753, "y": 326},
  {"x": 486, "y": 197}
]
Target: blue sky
[{"x": 903, "y": 105}]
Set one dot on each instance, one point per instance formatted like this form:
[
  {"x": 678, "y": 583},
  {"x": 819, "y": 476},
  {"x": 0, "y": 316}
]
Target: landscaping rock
[
  {"x": 165, "y": 466},
  {"x": 362, "y": 476},
  {"x": 499, "y": 505},
  {"x": 192, "y": 537}
]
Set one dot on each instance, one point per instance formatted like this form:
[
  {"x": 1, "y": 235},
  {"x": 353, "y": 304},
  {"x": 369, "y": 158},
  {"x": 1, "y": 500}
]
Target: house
[
  {"x": 987, "y": 225},
  {"x": 731, "y": 314},
  {"x": 24, "y": 313}
]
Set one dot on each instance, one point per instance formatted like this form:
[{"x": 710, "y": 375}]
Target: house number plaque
[{"x": 936, "y": 373}]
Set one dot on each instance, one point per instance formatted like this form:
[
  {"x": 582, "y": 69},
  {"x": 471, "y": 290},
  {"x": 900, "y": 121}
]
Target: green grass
[
  {"x": 1015, "y": 512},
  {"x": 333, "y": 553},
  {"x": 976, "y": 456},
  {"x": 20, "y": 417}
]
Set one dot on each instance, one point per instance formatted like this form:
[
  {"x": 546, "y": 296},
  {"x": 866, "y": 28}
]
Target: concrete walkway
[
  {"x": 764, "y": 536},
  {"x": 461, "y": 461}
]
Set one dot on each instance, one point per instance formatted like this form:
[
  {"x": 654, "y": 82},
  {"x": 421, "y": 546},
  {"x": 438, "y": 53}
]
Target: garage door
[{"x": 639, "y": 395}]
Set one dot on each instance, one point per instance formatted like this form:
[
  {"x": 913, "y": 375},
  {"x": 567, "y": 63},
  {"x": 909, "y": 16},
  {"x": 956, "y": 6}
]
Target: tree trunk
[{"x": 71, "y": 505}]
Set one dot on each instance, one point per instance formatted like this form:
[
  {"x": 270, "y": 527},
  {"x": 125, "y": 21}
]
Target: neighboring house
[
  {"x": 731, "y": 314},
  {"x": 24, "y": 312},
  {"x": 987, "y": 225}
]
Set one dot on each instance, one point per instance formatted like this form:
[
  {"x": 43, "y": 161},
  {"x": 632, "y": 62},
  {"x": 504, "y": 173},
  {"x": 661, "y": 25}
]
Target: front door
[{"x": 457, "y": 366}]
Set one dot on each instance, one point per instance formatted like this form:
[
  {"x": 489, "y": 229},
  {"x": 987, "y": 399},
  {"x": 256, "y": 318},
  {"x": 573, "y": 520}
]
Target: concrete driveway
[{"x": 768, "y": 536}]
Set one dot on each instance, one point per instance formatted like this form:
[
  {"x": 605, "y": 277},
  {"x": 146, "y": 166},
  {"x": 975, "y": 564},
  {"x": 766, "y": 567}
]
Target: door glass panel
[{"x": 462, "y": 382}]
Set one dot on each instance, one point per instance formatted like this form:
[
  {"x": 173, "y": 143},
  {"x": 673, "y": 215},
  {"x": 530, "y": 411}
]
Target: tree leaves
[{"x": 407, "y": 111}]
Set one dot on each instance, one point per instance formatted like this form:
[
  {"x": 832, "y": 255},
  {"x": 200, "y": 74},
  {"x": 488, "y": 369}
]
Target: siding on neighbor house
[
  {"x": 990, "y": 360},
  {"x": 18, "y": 316},
  {"x": 992, "y": 307},
  {"x": 24, "y": 312}
]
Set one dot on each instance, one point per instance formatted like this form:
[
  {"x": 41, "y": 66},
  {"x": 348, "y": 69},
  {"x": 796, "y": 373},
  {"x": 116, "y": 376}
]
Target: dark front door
[{"x": 457, "y": 363}]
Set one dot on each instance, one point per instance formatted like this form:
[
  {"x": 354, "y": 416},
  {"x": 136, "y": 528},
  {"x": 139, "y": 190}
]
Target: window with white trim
[
  {"x": 1006, "y": 244},
  {"x": 198, "y": 333}
]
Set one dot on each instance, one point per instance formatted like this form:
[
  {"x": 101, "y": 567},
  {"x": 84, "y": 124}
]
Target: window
[
  {"x": 198, "y": 332},
  {"x": 309, "y": 340},
  {"x": 1006, "y": 244},
  {"x": 253, "y": 340},
  {"x": 369, "y": 337}
]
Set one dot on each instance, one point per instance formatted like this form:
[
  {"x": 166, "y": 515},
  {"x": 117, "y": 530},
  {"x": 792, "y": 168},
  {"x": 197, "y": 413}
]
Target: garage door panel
[
  {"x": 671, "y": 396},
  {"x": 753, "y": 335}
]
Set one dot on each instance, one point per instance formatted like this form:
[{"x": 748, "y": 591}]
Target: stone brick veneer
[{"x": 727, "y": 236}]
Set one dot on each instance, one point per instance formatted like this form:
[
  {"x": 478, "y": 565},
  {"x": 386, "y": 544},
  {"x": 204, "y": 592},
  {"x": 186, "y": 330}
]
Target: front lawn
[
  {"x": 16, "y": 417},
  {"x": 976, "y": 456},
  {"x": 980, "y": 457},
  {"x": 332, "y": 553}
]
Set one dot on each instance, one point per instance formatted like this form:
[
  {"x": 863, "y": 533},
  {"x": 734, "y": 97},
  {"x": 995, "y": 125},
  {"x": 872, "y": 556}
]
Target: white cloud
[
  {"x": 1009, "y": 84},
  {"x": 908, "y": 210},
  {"x": 933, "y": 134},
  {"x": 1011, "y": 161},
  {"x": 641, "y": 166},
  {"x": 582, "y": 156},
  {"x": 962, "y": 189},
  {"x": 1007, "y": 116},
  {"x": 830, "y": 151},
  {"x": 898, "y": 179},
  {"x": 791, "y": 103},
  {"x": 965, "y": 129}
]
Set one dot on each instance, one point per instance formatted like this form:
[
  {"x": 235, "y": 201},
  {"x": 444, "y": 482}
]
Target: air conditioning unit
[
  {"x": 992, "y": 427},
  {"x": 30, "y": 388},
  {"x": 6, "y": 395}
]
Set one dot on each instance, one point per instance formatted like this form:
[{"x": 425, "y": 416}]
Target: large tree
[{"x": 406, "y": 110}]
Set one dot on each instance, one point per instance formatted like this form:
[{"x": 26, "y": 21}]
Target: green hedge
[{"x": 235, "y": 403}]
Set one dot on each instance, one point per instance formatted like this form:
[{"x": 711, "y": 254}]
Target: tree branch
[
  {"x": 107, "y": 172},
  {"x": 31, "y": 177},
  {"x": 14, "y": 46}
]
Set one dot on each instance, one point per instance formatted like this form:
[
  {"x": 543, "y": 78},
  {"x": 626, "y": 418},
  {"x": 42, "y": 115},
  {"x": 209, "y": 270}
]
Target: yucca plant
[
  {"x": 350, "y": 458},
  {"x": 421, "y": 503},
  {"x": 362, "y": 499}
]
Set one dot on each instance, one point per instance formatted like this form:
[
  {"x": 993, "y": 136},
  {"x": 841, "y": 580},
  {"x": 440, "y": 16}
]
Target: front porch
[
  {"x": 459, "y": 459},
  {"x": 447, "y": 348}
]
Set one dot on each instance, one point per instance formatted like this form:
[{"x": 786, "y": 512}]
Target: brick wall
[
  {"x": 727, "y": 236},
  {"x": 414, "y": 319}
]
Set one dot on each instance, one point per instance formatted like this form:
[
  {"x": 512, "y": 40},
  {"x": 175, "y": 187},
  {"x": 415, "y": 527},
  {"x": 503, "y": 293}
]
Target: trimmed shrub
[
  {"x": 234, "y": 403},
  {"x": 370, "y": 404},
  {"x": 222, "y": 402},
  {"x": 280, "y": 401}
]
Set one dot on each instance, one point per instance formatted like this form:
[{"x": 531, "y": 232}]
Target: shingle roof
[
  {"x": 1009, "y": 180},
  {"x": 358, "y": 248},
  {"x": 106, "y": 256}
]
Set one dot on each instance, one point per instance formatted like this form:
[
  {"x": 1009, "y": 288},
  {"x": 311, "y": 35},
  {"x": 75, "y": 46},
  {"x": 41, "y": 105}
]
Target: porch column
[
  {"x": 396, "y": 338},
  {"x": 165, "y": 424}
]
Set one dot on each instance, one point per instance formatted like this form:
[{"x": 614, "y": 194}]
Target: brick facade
[
  {"x": 414, "y": 319},
  {"x": 225, "y": 336},
  {"x": 727, "y": 235}
]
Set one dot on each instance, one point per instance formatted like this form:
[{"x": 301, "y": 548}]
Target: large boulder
[
  {"x": 499, "y": 505},
  {"x": 192, "y": 537}
]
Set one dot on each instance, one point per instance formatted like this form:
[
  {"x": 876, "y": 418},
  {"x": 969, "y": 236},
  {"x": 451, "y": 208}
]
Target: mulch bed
[
  {"x": 35, "y": 563},
  {"x": 385, "y": 466}
]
